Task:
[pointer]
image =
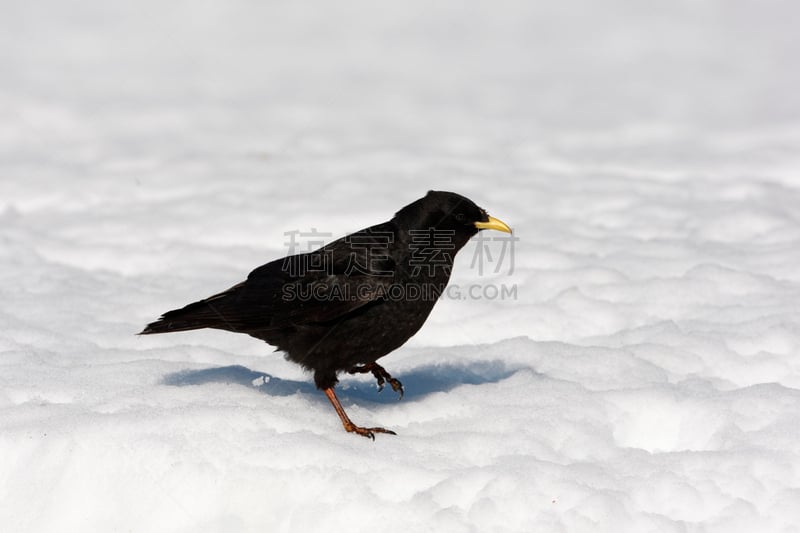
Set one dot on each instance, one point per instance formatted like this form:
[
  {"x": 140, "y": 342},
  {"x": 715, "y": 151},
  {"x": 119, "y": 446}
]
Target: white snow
[{"x": 646, "y": 377}]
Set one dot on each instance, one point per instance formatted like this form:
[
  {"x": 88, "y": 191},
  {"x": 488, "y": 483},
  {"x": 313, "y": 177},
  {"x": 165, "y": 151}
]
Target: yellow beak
[{"x": 493, "y": 223}]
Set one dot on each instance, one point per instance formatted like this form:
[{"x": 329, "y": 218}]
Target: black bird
[{"x": 349, "y": 303}]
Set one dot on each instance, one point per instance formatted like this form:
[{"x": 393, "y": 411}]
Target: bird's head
[{"x": 447, "y": 213}]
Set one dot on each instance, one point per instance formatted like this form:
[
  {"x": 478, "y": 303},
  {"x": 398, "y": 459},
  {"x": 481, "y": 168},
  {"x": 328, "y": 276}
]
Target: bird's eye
[{"x": 460, "y": 217}]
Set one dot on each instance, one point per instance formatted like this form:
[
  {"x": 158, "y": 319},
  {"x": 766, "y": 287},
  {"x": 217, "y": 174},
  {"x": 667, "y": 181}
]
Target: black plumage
[{"x": 345, "y": 305}]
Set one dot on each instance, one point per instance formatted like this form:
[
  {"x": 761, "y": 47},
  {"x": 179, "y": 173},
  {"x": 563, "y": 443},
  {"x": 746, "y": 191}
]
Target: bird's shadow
[{"x": 418, "y": 383}]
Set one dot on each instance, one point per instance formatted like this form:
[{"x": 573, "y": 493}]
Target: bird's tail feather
[{"x": 203, "y": 314}]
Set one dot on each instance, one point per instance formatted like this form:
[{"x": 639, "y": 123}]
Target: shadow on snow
[{"x": 417, "y": 384}]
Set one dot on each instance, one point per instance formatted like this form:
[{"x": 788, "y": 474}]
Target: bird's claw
[
  {"x": 368, "y": 432},
  {"x": 381, "y": 375},
  {"x": 396, "y": 386}
]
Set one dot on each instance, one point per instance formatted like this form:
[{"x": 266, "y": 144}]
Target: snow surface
[{"x": 645, "y": 378}]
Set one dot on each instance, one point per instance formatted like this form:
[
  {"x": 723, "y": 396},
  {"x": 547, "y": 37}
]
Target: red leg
[{"x": 347, "y": 423}]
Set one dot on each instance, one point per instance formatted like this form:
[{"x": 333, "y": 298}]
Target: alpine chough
[{"x": 342, "y": 307}]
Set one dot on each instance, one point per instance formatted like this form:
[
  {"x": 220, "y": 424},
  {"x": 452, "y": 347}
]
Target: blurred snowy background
[{"x": 645, "y": 378}]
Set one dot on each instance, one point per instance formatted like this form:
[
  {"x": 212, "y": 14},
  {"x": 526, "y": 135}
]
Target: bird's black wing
[
  {"x": 323, "y": 285},
  {"x": 317, "y": 287}
]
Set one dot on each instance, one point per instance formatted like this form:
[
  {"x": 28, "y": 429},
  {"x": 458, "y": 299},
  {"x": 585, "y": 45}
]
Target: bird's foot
[
  {"x": 347, "y": 423},
  {"x": 381, "y": 375},
  {"x": 396, "y": 386},
  {"x": 367, "y": 432}
]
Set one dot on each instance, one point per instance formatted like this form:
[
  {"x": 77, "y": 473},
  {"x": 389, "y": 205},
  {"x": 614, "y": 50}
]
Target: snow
[{"x": 642, "y": 374}]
